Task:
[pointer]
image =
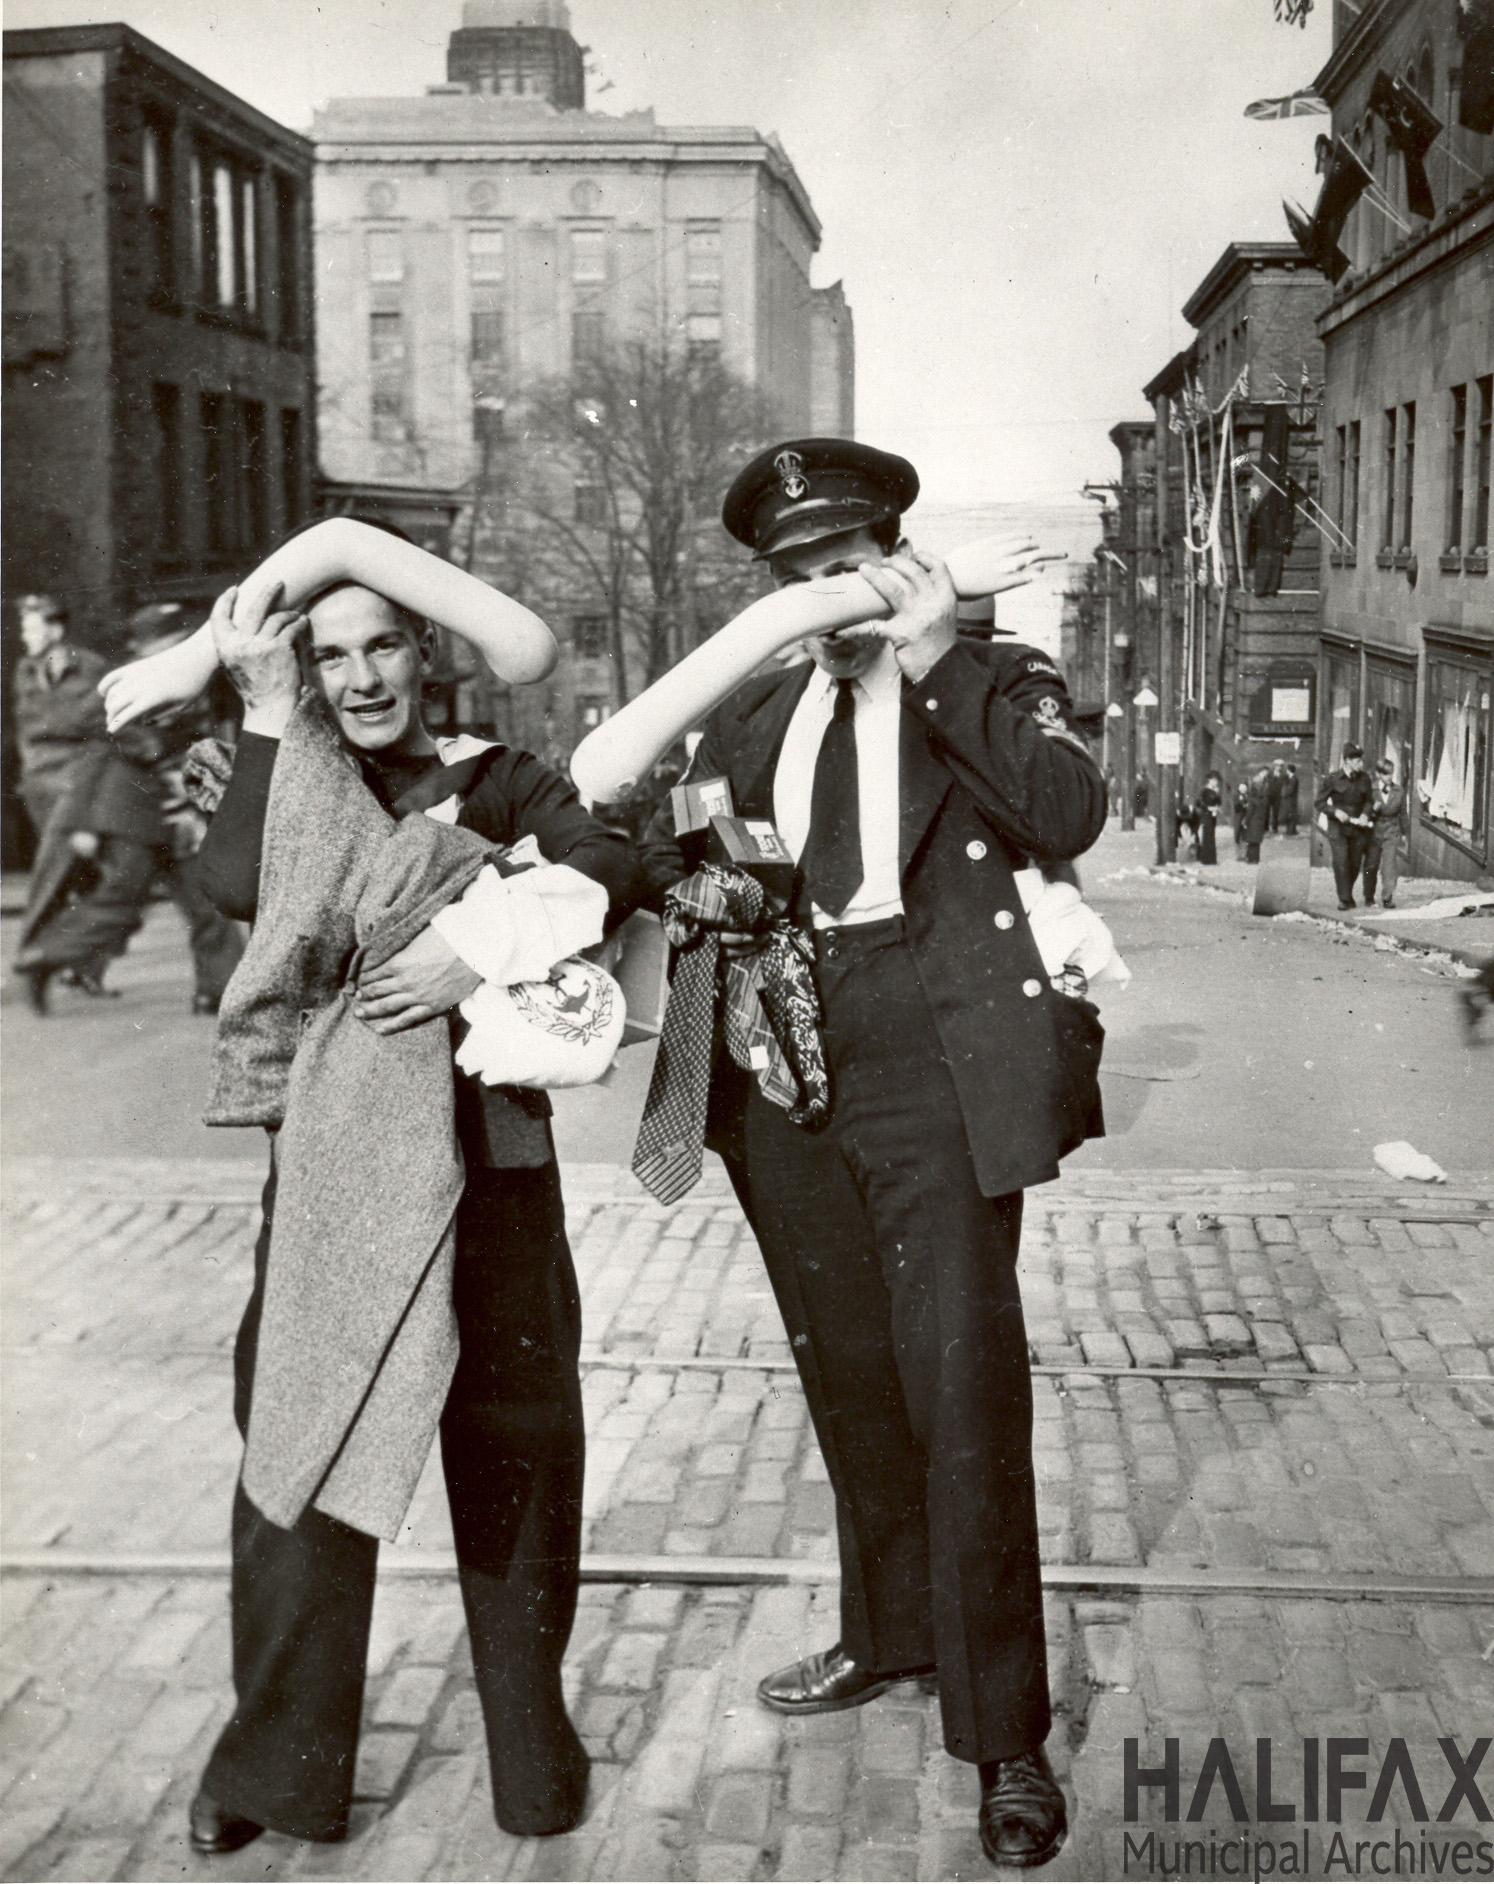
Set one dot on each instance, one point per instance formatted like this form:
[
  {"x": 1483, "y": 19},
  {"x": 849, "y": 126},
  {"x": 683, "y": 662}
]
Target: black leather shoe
[
  {"x": 215, "y": 1830},
  {"x": 823, "y": 1684},
  {"x": 1023, "y": 1817}
]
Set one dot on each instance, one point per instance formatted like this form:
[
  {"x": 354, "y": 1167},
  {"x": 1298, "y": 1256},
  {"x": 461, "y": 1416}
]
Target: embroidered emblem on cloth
[{"x": 568, "y": 1003}]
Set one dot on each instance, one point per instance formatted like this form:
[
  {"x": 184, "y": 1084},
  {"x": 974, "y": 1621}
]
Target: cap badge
[{"x": 790, "y": 468}]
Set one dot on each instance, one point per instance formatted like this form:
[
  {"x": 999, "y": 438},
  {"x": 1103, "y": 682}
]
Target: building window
[
  {"x": 589, "y": 257},
  {"x": 487, "y": 335},
  {"x": 1341, "y": 696},
  {"x": 386, "y": 255},
  {"x": 1387, "y": 536},
  {"x": 588, "y": 333},
  {"x": 485, "y": 255},
  {"x": 1481, "y": 469},
  {"x": 1389, "y": 716},
  {"x": 196, "y": 225},
  {"x": 591, "y": 503},
  {"x": 487, "y": 421},
  {"x": 254, "y": 530},
  {"x": 219, "y": 465},
  {"x": 290, "y": 466},
  {"x": 704, "y": 333},
  {"x": 166, "y": 410},
  {"x": 386, "y": 364},
  {"x": 249, "y": 241},
  {"x": 1351, "y": 494},
  {"x": 1454, "y": 781},
  {"x": 288, "y": 256},
  {"x": 589, "y": 637},
  {"x": 1408, "y": 470},
  {"x": 155, "y": 190},
  {"x": 591, "y": 710},
  {"x": 1456, "y": 466}
]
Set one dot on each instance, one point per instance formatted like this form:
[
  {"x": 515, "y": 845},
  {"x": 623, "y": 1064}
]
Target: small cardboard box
[
  {"x": 695, "y": 804},
  {"x": 753, "y": 845}
]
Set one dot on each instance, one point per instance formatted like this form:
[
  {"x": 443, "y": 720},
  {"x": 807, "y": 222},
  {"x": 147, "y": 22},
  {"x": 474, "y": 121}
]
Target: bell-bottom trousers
[
  {"x": 512, "y": 1445},
  {"x": 897, "y": 1283}
]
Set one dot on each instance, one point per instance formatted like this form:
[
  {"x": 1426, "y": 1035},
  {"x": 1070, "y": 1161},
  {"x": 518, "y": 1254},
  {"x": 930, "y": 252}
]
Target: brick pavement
[{"x": 1348, "y": 1428}]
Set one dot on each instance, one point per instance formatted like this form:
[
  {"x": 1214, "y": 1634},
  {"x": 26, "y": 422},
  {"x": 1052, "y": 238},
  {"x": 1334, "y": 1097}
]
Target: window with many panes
[
  {"x": 166, "y": 412},
  {"x": 1481, "y": 462},
  {"x": 155, "y": 191},
  {"x": 1457, "y": 463},
  {"x": 486, "y": 272},
  {"x": 223, "y": 209},
  {"x": 590, "y": 503},
  {"x": 1387, "y": 535},
  {"x": 1408, "y": 471},
  {"x": 386, "y": 371},
  {"x": 589, "y": 637}
]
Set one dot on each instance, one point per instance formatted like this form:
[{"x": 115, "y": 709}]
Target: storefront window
[
  {"x": 1342, "y": 697},
  {"x": 1389, "y": 717},
  {"x": 1454, "y": 783}
]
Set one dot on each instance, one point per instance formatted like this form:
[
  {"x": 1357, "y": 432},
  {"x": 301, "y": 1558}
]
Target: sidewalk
[
  {"x": 1468, "y": 939},
  {"x": 1265, "y": 1444}
]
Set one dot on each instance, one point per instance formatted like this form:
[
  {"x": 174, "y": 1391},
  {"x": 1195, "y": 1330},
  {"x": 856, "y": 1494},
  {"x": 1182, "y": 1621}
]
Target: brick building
[
  {"x": 159, "y": 380},
  {"x": 1234, "y": 561},
  {"x": 1408, "y": 614},
  {"x": 492, "y": 234},
  {"x": 158, "y": 362}
]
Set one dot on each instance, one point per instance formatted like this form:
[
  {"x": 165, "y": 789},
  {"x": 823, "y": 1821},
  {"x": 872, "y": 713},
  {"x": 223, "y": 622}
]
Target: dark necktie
[{"x": 832, "y": 852}]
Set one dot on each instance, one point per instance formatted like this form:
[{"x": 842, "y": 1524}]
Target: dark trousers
[
  {"x": 1208, "y": 825},
  {"x": 512, "y": 1445},
  {"x": 1347, "y": 844},
  {"x": 897, "y": 1284},
  {"x": 88, "y": 931},
  {"x": 1382, "y": 864},
  {"x": 216, "y": 942}
]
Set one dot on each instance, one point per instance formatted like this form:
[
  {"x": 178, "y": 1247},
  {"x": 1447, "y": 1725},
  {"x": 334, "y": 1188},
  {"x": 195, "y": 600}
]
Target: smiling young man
[
  {"x": 512, "y": 1438},
  {"x": 911, "y": 771}
]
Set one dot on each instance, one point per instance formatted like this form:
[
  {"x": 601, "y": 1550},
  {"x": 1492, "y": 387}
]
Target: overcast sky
[{"x": 1017, "y": 194}]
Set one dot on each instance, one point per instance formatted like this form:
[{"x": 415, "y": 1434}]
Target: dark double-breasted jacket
[{"x": 991, "y": 777}]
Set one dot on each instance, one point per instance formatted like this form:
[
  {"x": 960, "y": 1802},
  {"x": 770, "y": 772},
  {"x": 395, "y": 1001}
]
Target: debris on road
[{"x": 1403, "y": 1160}]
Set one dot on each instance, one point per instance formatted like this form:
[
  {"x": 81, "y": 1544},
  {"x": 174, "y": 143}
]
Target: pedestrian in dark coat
[
  {"x": 911, "y": 771},
  {"x": 1210, "y": 804},
  {"x": 1347, "y": 804},
  {"x": 1289, "y": 788},
  {"x": 1241, "y": 813},
  {"x": 1257, "y": 813}
]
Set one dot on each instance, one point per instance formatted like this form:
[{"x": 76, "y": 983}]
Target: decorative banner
[{"x": 1413, "y": 128}]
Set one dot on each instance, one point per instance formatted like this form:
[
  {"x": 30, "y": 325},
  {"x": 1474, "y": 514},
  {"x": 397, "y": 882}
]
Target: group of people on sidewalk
[
  {"x": 1361, "y": 814},
  {"x": 413, "y": 1270},
  {"x": 110, "y": 818}
]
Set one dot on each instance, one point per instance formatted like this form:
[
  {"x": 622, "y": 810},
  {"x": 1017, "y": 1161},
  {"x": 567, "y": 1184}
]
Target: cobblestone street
[{"x": 1265, "y": 1445}]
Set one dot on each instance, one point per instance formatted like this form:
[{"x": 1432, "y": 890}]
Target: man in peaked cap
[{"x": 912, "y": 770}]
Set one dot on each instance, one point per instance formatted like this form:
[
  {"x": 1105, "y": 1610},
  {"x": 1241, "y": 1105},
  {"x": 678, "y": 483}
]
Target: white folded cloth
[{"x": 1067, "y": 931}]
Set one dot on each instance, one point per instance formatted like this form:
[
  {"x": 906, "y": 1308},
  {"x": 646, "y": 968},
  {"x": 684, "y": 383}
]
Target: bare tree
[{"x": 604, "y": 495}]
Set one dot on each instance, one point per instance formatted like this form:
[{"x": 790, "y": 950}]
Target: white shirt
[
  {"x": 510, "y": 929},
  {"x": 878, "y": 695}
]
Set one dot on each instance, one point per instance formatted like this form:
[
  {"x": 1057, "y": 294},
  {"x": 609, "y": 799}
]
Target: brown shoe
[
  {"x": 826, "y": 1683},
  {"x": 1023, "y": 1817},
  {"x": 215, "y": 1830}
]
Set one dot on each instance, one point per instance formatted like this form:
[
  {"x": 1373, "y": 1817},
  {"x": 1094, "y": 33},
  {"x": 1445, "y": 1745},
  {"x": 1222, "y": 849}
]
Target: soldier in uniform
[{"x": 911, "y": 770}]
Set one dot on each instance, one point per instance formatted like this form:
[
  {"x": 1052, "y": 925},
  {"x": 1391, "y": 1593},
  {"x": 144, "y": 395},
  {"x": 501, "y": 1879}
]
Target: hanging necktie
[{"x": 831, "y": 862}]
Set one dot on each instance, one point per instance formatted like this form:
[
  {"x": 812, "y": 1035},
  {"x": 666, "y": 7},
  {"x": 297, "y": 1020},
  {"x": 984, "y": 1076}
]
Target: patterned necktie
[{"x": 831, "y": 862}]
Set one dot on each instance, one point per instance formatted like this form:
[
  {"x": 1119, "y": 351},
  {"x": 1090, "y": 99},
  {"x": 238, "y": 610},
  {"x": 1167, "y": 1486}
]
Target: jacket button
[
  {"x": 1032, "y": 988},
  {"x": 1004, "y": 919},
  {"x": 932, "y": 705},
  {"x": 975, "y": 849}
]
